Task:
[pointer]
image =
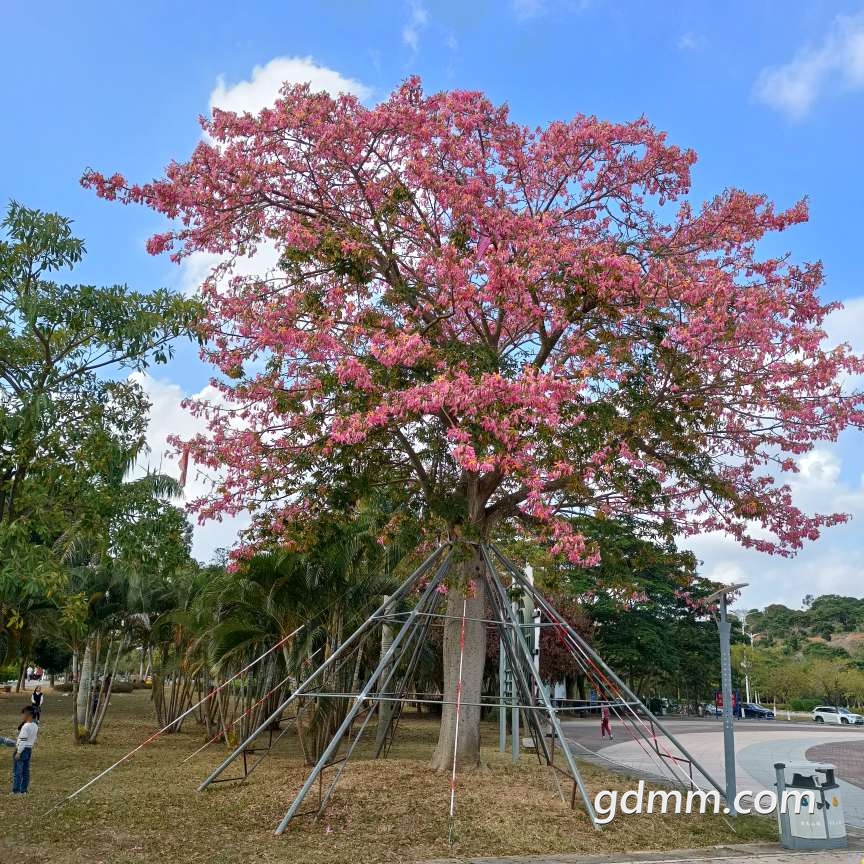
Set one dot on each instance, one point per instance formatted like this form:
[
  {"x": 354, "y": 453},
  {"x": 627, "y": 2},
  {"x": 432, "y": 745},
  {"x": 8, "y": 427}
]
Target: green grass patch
[{"x": 392, "y": 810}]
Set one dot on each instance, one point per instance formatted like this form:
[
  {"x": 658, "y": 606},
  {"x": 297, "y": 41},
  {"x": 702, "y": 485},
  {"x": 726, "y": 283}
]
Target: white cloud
[
  {"x": 837, "y": 62},
  {"x": 262, "y": 89},
  {"x": 199, "y": 265},
  {"x": 834, "y": 563},
  {"x": 417, "y": 21},
  {"x": 689, "y": 42},
  {"x": 257, "y": 92},
  {"x": 528, "y": 8},
  {"x": 831, "y": 564},
  {"x": 847, "y": 324},
  {"x": 819, "y": 468},
  {"x": 168, "y": 417}
]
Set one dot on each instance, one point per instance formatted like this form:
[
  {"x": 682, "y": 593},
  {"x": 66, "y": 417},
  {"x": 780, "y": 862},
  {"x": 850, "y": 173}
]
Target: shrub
[{"x": 803, "y": 704}]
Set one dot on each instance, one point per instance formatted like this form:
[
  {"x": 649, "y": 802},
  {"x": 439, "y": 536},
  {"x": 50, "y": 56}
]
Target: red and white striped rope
[{"x": 174, "y": 722}]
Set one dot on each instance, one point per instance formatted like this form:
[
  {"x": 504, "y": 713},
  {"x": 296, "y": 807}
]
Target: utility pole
[{"x": 725, "y": 628}]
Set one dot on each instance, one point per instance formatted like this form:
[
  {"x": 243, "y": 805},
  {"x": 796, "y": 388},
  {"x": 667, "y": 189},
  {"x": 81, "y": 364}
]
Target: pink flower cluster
[{"x": 515, "y": 314}]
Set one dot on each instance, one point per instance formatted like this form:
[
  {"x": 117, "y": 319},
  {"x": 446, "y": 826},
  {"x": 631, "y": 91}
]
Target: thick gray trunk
[{"x": 467, "y": 746}]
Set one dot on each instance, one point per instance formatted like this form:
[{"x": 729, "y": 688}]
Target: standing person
[
  {"x": 36, "y": 700},
  {"x": 605, "y": 728},
  {"x": 27, "y": 734}
]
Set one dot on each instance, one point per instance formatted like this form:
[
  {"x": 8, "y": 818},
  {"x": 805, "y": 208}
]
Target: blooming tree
[{"x": 507, "y": 323}]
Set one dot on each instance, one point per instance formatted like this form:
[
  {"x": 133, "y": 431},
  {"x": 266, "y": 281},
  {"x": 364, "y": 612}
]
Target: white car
[{"x": 833, "y": 714}]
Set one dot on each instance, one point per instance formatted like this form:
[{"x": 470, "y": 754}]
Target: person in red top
[{"x": 605, "y": 728}]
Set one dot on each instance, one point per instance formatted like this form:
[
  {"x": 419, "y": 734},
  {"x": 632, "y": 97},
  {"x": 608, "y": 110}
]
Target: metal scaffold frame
[{"x": 389, "y": 684}]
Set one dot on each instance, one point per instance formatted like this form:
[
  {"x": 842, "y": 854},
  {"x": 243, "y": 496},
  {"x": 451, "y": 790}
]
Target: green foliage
[
  {"x": 822, "y": 616},
  {"x": 803, "y": 703},
  {"x": 51, "y": 655},
  {"x": 642, "y": 605},
  {"x": 70, "y": 427},
  {"x": 825, "y": 652}
]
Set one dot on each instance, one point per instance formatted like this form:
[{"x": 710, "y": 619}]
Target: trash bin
[{"x": 825, "y": 827}]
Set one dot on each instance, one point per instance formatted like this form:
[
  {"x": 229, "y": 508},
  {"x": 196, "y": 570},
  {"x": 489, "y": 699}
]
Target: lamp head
[{"x": 726, "y": 589}]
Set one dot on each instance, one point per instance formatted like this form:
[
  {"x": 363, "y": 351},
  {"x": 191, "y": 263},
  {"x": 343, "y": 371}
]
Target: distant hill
[
  {"x": 852, "y": 643},
  {"x": 830, "y": 625}
]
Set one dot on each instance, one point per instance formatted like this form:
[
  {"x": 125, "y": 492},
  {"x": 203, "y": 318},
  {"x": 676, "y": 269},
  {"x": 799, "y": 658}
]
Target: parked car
[
  {"x": 833, "y": 714},
  {"x": 712, "y": 710},
  {"x": 750, "y": 709}
]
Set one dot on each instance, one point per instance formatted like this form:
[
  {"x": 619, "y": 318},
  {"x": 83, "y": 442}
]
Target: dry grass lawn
[{"x": 385, "y": 811}]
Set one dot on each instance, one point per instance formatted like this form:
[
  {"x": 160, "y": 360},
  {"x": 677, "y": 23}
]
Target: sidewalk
[{"x": 750, "y": 853}]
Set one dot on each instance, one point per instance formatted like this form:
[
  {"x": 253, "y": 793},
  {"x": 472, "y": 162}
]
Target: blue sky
[{"x": 770, "y": 95}]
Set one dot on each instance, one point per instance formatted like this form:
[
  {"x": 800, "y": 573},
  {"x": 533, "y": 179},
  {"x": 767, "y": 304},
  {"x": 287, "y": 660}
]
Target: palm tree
[{"x": 329, "y": 586}]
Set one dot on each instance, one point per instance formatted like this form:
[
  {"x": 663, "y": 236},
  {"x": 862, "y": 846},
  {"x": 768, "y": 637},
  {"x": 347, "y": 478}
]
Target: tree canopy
[
  {"x": 517, "y": 323},
  {"x": 70, "y": 425}
]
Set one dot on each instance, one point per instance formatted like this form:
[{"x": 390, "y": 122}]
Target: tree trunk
[
  {"x": 105, "y": 692},
  {"x": 76, "y": 685},
  {"x": 467, "y": 747},
  {"x": 84, "y": 675},
  {"x": 385, "y": 708}
]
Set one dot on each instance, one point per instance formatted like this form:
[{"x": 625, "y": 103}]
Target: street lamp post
[
  {"x": 745, "y": 665},
  {"x": 725, "y": 628}
]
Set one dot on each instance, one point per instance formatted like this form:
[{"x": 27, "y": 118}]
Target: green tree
[
  {"x": 66, "y": 417},
  {"x": 645, "y": 604},
  {"x": 338, "y": 573}
]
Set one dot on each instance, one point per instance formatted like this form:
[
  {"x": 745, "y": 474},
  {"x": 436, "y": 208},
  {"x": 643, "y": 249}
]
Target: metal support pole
[
  {"x": 532, "y": 617},
  {"x": 403, "y": 589},
  {"x": 502, "y": 710},
  {"x": 515, "y": 733},
  {"x": 336, "y": 740},
  {"x": 533, "y": 612},
  {"x": 492, "y": 578},
  {"x": 725, "y": 628},
  {"x": 380, "y": 698},
  {"x": 517, "y": 679},
  {"x": 554, "y": 615}
]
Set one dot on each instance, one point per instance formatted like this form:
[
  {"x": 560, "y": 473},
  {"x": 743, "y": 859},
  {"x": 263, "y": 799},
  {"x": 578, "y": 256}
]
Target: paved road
[
  {"x": 848, "y": 757},
  {"x": 844, "y": 857},
  {"x": 758, "y": 745},
  {"x": 747, "y": 854}
]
